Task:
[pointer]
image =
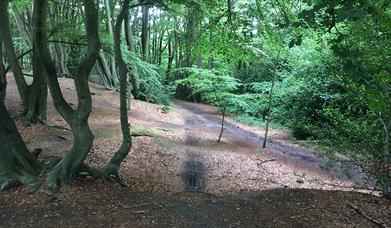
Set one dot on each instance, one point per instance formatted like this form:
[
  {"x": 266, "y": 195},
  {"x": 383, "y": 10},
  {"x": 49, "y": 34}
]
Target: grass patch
[
  {"x": 165, "y": 142},
  {"x": 167, "y": 109},
  {"x": 140, "y": 129},
  {"x": 108, "y": 133},
  {"x": 101, "y": 111}
]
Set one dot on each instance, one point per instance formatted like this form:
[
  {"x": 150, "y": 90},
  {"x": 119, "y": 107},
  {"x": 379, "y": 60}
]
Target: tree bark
[
  {"x": 110, "y": 29},
  {"x": 128, "y": 32},
  {"x": 222, "y": 124},
  {"x": 145, "y": 32},
  {"x": 70, "y": 165},
  {"x": 113, "y": 166},
  {"x": 5, "y": 36},
  {"x": 17, "y": 164},
  {"x": 33, "y": 97}
]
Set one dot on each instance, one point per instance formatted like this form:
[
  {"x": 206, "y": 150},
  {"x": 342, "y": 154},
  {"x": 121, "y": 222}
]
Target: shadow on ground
[{"x": 102, "y": 204}]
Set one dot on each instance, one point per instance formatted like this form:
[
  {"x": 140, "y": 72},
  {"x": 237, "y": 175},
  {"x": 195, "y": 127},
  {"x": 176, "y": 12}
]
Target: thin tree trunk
[
  {"x": 33, "y": 97},
  {"x": 5, "y": 36},
  {"x": 222, "y": 125},
  {"x": 113, "y": 166},
  {"x": 128, "y": 32},
  {"x": 145, "y": 32},
  {"x": 110, "y": 28},
  {"x": 106, "y": 69},
  {"x": 386, "y": 179},
  {"x": 269, "y": 111}
]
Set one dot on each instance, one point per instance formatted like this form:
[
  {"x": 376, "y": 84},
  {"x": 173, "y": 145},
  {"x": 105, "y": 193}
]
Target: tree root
[
  {"x": 60, "y": 174},
  {"x": 109, "y": 172},
  {"x": 15, "y": 180},
  {"x": 359, "y": 212}
]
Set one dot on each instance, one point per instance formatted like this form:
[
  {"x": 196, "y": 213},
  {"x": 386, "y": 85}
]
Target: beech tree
[{"x": 34, "y": 96}]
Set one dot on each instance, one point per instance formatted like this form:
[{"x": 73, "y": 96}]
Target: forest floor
[{"x": 231, "y": 183}]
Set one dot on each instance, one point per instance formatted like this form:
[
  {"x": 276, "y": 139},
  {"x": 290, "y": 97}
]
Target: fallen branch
[
  {"x": 135, "y": 134},
  {"x": 46, "y": 124},
  {"x": 374, "y": 221}
]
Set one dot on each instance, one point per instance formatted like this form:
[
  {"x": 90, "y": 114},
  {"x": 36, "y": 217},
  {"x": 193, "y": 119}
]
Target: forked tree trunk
[
  {"x": 70, "y": 165},
  {"x": 113, "y": 166}
]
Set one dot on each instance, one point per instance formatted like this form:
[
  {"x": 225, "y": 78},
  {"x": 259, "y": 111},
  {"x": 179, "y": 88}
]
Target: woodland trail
[
  {"x": 231, "y": 183},
  {"x": 284, "y": 157}
]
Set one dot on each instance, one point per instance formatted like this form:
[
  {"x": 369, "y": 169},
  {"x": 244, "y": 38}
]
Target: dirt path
[{"x": 299, "y": 167}]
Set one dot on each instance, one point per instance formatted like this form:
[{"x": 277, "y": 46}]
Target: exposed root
[
  {"x": 16, "y": 180},
  {"x": 61, "y": 174},
  {"x": 110, "y": 172}
]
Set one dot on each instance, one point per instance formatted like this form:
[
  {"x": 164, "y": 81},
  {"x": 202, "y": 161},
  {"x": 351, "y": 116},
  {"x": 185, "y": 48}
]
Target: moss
[
  {"x": 108, "y": 133},
  {"x": 101, "y": 111},
  {"x": 164, "y": 142}
]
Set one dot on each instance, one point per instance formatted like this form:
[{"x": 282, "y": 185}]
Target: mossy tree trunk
[{"x": 70, "y": 165}]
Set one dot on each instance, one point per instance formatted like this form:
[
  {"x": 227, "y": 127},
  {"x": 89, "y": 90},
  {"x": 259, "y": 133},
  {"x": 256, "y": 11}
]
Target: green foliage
[
  {"x": 214, "y": 86},
  {"x": 149, "y": 81}
]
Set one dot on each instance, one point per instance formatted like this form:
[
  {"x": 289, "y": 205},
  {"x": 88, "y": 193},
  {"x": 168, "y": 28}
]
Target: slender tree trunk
[
  {"x": 145, "y": 32},
  {"x": 386, "y": 175},
  {"x": 171, "y": 55},
  {"x": 128, "y": 33},
  {"x": 222, "y": 124},
  {"x": 269, "y": 111},
  {"x": 113, "y": 166},
  {"x": 5, "y": 36},
  {"x": 33, "y": 97},
  {"x": 110, "y": 28},
  {"x": 106, "y": 70}
]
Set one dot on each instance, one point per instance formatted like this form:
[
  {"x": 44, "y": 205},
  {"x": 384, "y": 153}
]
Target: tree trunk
[
  {"x": 269, "y": 111},
  {"x": 71, "y": 164},
  {"x": 110, "y": 28},
  {"x": 386, "y": 173},
  {"x": 128, "y": 33},
  {"x": 17, "y": 164},
  {"x": 131, "y": 47},
  {"x": 5, "y": 36},
  {"x": 38, "y": 93},
  {"x": 145, "y": 32},
  {"x": 2, "y": 70},
  {"x": 106, "y": 70},
  {"x": 222, "y": 125},
  {"x": 33, "y": 97},
  {"x": 113, "y": 166}
]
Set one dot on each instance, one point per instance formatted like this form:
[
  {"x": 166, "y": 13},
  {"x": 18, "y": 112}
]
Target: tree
[
  {"x": 33, "y": 96},
  {"x": 65, "y": 170},
  {"x": 17, "y": 164}
]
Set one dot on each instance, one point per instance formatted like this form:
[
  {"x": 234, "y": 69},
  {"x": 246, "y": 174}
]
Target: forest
[{"x": 103, "y": 92}]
